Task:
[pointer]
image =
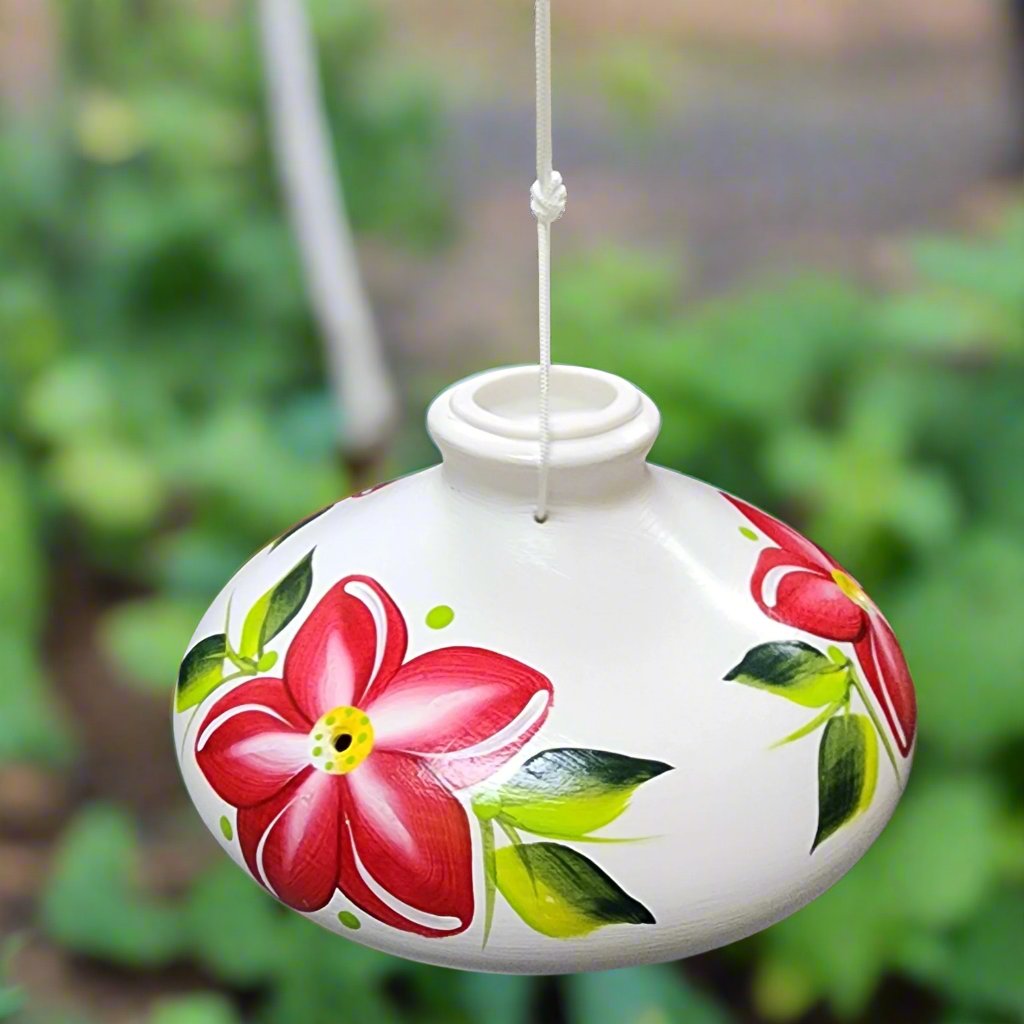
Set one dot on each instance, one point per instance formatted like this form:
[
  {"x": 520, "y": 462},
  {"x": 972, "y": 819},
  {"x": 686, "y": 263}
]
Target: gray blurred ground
[{"x": 799, "y": 143}]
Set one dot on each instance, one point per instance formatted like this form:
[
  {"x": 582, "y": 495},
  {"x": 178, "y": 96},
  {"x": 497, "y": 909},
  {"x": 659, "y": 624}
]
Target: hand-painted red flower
[
  {"x": 343, "y": 771},
  {"x": 798, "y": 584}
]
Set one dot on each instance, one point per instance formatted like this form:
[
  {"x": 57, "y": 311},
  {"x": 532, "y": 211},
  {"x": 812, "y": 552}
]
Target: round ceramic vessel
[{"x": 654, "y": 724}]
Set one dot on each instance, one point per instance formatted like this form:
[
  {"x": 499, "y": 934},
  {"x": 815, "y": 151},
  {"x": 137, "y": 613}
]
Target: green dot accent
[
  {"x": 364, "y": 720},
  {"x": 439, "y": 617},
  {"x": 348, "y": 712},
  {"x": 361, "y": 738},
  {"x": 329, "y": 720},
  {"x": 350, "y": 760},
  {"x": 329, "y": 765},
  {"x": 349, "y": 920},
  {"x": 317, "y": 751},
  {"x": 319, "y": 736},
  {"x": 226, "y": 830},
  {"x": 748, "y": 533}
]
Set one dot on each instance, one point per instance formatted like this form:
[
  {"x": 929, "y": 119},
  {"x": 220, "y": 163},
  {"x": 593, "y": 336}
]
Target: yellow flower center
[
  {"x": 850, "y": 587},
  {"x": 341, "y": 741}
]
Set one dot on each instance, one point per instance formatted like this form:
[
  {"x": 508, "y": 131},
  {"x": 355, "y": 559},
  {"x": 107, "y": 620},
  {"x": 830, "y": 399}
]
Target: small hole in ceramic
[{"x": 342, "y": 742}]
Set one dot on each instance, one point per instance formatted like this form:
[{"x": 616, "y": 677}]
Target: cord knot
[{"x": 548, "y": 204}]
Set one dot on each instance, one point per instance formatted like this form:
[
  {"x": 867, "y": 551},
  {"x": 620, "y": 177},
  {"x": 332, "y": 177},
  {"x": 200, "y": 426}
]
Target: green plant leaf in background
[
  {"x": 930, "y": 870},
  {"x": 93, "y": 905},
  {"x": 794, "y": 670},
  {"x": 233, "y": 928},
  {"x": 201, "y": 672},
  {"x": 276, "y": 608},
  {"x": 569, "y": 792},
  {"x": 200, "y": 1008},
  {"x": 559, "y": 892},
  {"x": 658, "y": 994},
  {"x": 847, "y": 772},
  {"x": 144, "y": 638}
]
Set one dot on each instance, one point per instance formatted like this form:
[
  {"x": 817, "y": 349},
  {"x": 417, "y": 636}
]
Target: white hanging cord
[{"x": 547, "y": 201}]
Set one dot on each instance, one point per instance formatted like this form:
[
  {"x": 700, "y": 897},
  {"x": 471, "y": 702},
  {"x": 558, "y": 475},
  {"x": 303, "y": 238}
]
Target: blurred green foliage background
[{"x": 164, "y": 412}]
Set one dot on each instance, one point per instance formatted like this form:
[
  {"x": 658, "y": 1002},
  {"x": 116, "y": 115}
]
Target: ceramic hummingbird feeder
[{"x": 656, "y": 723}]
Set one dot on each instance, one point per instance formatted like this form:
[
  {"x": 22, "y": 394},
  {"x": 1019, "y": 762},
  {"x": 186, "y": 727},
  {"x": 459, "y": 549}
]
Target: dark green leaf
[
  {"x": 569, "y": 792},
  {"x": 276, "y": 608},
  {"x": 794, "y": 670},
  {"x": 847, "y": 772},
  {"x": 201, "y": 672},
  {"x": 561, "y": 893}
]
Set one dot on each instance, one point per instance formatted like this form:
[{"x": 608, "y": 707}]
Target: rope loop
[{"x": 547, "y": 200}]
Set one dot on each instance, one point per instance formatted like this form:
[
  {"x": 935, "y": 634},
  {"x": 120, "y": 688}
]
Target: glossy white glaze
[{"x": 634, "y": 600}]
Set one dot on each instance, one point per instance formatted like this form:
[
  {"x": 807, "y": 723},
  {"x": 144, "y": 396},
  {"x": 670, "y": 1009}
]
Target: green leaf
[
  {"x": 560, "y": 893},
  {"x": 200, "y": 1008},
  {"x": 794, "y": 670},
  {"x": 930, "y": 870},
  {"x": 144, "y": 638},
  {"x": 569, "y": 792},
  {"x": 847, "y": 772},
  {"x": 655, "y": 994},
  {"x": 91, "y": 905},
  {"x": 32, "y": 724},
  {"x": 984, "y": 969},
  {"x": 201, "y": 672},
  {"x": 276, "y": 608},
  {"x": 234, "y": 928},
  {"x": 496, "y": 998}
]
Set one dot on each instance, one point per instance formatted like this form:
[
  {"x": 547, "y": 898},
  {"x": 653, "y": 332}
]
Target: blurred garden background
[{"x": 797, "y": 225}]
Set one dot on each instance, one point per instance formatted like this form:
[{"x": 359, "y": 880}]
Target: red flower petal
[
  {"x": 290, "y": 842},
  {"x": 785, "y": 536},
  {"x": 354, "y": 636},
  {"x": 887, "y": 674},
  {"x": 252, "y": 742},
  {"x": 407, "y": 856},
  {"x": 462, "y": 703},
  {"x": 794, "y": 590}
]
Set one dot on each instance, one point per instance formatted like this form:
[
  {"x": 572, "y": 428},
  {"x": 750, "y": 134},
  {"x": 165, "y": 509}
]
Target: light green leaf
[
  {"x": 847, "y": 772},
  {"x": 657, "y": 994},
  {"x": 794, "y": 670},
  {"x": 92, "y": 906},
  {"x": 569, "y": 792},
  {"x": 561, "y": 893},
  {"x": 111, "y": 485},
  {"x": 276, "y": 608},
  {"x": 201, "y": 672},
  {"x": 200, "y": 1008}
]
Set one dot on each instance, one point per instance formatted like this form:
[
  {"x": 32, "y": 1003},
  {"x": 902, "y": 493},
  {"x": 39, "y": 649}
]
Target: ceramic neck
[{"x": 602, "y": 428}]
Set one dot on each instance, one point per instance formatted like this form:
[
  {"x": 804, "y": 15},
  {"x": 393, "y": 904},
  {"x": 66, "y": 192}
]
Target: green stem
[
  {"x": 490, "y": 876},
  {"x": 879, "y": 727},
  {"x": 814, "y": 723},
  {"x": 188, "y": 725}
]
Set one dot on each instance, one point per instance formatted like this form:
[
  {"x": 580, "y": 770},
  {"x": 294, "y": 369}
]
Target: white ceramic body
[{"x": 634, "y": 600}]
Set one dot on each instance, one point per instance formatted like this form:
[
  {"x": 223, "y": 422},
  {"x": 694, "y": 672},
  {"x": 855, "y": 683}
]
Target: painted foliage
[
  {"x": 795, "y": 583},
  {"x": 358, "y": 772}
]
